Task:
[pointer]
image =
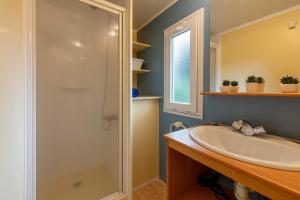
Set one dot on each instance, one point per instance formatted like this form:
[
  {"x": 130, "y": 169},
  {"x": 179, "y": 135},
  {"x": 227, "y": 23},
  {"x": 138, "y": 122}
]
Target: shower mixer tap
[
  {"x": 108, "y": 119},
  {"x": 111, "y": 117}
]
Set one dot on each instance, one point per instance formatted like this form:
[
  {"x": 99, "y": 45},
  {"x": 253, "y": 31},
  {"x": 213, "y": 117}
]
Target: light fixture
[{"x": 293, "y": 24}]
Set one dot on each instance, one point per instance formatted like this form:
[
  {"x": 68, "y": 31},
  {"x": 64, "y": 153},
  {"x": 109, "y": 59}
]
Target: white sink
[{"x": 264, "y": 150}]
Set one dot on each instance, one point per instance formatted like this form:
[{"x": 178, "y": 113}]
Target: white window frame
[{"x": 194, "y": 23}]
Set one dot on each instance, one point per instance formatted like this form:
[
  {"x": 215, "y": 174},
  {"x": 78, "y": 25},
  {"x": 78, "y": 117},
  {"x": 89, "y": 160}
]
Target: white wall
[{"x": 11, "y": 101}]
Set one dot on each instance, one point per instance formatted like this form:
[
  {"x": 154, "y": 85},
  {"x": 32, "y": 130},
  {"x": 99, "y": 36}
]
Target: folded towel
[{"x": 135, "y": 92}]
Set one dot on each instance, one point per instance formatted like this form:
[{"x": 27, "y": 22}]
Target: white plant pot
[
  {"x": 260, "y": 87},
  {"x": 234, "y": 88},
  {"x": 251, "y": 87},
  {"x": 225, "y": 88},
  {"x": 289, "y": 88}
]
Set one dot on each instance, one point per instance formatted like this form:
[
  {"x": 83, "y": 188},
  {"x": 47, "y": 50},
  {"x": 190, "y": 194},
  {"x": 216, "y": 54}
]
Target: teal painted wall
[{"x": 280, "y": 115}]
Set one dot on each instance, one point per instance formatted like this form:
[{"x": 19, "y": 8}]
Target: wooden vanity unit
[{"x": 186, "y": 160}]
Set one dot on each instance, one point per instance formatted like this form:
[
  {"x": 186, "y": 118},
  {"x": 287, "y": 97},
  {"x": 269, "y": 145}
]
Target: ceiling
[
  {"x": 227, "y": 14},
  {"x": 145, "y": 10}
]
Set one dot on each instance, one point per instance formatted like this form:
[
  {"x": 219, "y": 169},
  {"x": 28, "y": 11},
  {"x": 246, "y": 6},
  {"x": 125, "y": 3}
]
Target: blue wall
[{"x": 280, "y": 115}]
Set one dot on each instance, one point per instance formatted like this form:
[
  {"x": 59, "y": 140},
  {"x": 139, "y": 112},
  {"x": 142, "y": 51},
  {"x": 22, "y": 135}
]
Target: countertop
[{"x": 275, "y": 183}]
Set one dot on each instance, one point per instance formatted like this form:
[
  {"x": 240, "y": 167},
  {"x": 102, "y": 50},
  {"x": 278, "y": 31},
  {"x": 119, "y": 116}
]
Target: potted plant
[
  {"x": 225, "y": 86},
  {"x": 261, "y": 84},
  {"x": 251, "y": 84},
  {"x": 289, "y": 84},
  {"x": 234, "y": 86}
]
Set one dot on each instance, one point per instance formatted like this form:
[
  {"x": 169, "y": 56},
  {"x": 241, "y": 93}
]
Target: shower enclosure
[{"x": 79, "y": 59}]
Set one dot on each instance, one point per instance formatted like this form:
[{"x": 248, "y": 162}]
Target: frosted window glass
[{"x": 181, "y": 68}]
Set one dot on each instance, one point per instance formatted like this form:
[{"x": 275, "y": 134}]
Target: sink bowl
[{"x": 264, "y": 150}]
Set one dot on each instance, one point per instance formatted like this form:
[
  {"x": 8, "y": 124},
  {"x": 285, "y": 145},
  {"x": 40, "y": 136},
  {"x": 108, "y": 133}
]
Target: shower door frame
[{"x": 29, "y": 51}]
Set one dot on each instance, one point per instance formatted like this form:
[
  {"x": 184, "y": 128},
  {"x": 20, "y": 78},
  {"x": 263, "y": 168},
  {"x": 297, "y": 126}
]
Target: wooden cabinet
[
  {"x": 145, "y": 129},
  {"x": 145, "y": 113},
  {"x": 187, "y": 159}
]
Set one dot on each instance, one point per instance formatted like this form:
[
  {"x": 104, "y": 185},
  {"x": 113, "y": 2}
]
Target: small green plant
[
  {"x": 260, "y": 80},
  {"x": 251, "y": 79},
  {"x": 226, "y": 83},
  {"x": 289, "y": 80},
  {"x": 234, "y": 83}
]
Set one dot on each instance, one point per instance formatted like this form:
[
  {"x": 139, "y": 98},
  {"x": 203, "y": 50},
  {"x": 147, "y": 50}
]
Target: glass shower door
[{"x": 79, "y": 113}]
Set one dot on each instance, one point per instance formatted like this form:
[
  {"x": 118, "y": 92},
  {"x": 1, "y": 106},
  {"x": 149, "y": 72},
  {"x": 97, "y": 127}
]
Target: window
[
  {"x": 184, "y": 66},
  {"x": 181, "y": 67}
]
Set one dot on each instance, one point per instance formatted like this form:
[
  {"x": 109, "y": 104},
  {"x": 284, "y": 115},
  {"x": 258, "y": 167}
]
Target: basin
[{"x": 263, "y": 150}]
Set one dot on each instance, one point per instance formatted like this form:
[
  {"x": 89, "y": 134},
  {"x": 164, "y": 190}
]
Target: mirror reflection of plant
[
  {"x": 260, "y": 80},
  {"x": 251, "y": 79},
  {"x": 289, "y": 80},
  {"x": 234, "y": 83},
  {"x": 226, "y": 83}
]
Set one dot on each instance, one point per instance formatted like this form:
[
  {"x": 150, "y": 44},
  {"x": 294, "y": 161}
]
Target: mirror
[{"x": 254, "y": 37}]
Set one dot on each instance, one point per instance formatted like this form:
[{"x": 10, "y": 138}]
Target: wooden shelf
[
  {"x": 251, "y": 94},
  {"x": 141, "y": 71},
  {"x": 138, "y": 47},
  {"x": 146, "y": 97}
]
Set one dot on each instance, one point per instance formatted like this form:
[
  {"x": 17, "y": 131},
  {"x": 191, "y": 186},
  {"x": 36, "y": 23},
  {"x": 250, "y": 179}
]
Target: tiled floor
[{"x": 155, "y": 190}]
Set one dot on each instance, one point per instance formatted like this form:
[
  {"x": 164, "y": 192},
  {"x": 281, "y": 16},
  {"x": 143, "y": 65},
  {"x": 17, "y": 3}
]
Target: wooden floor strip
[{"x": 155, "y": 190}]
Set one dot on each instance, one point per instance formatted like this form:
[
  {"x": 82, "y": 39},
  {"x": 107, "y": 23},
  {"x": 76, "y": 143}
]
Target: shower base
[{"x": 92, "y": 184}]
